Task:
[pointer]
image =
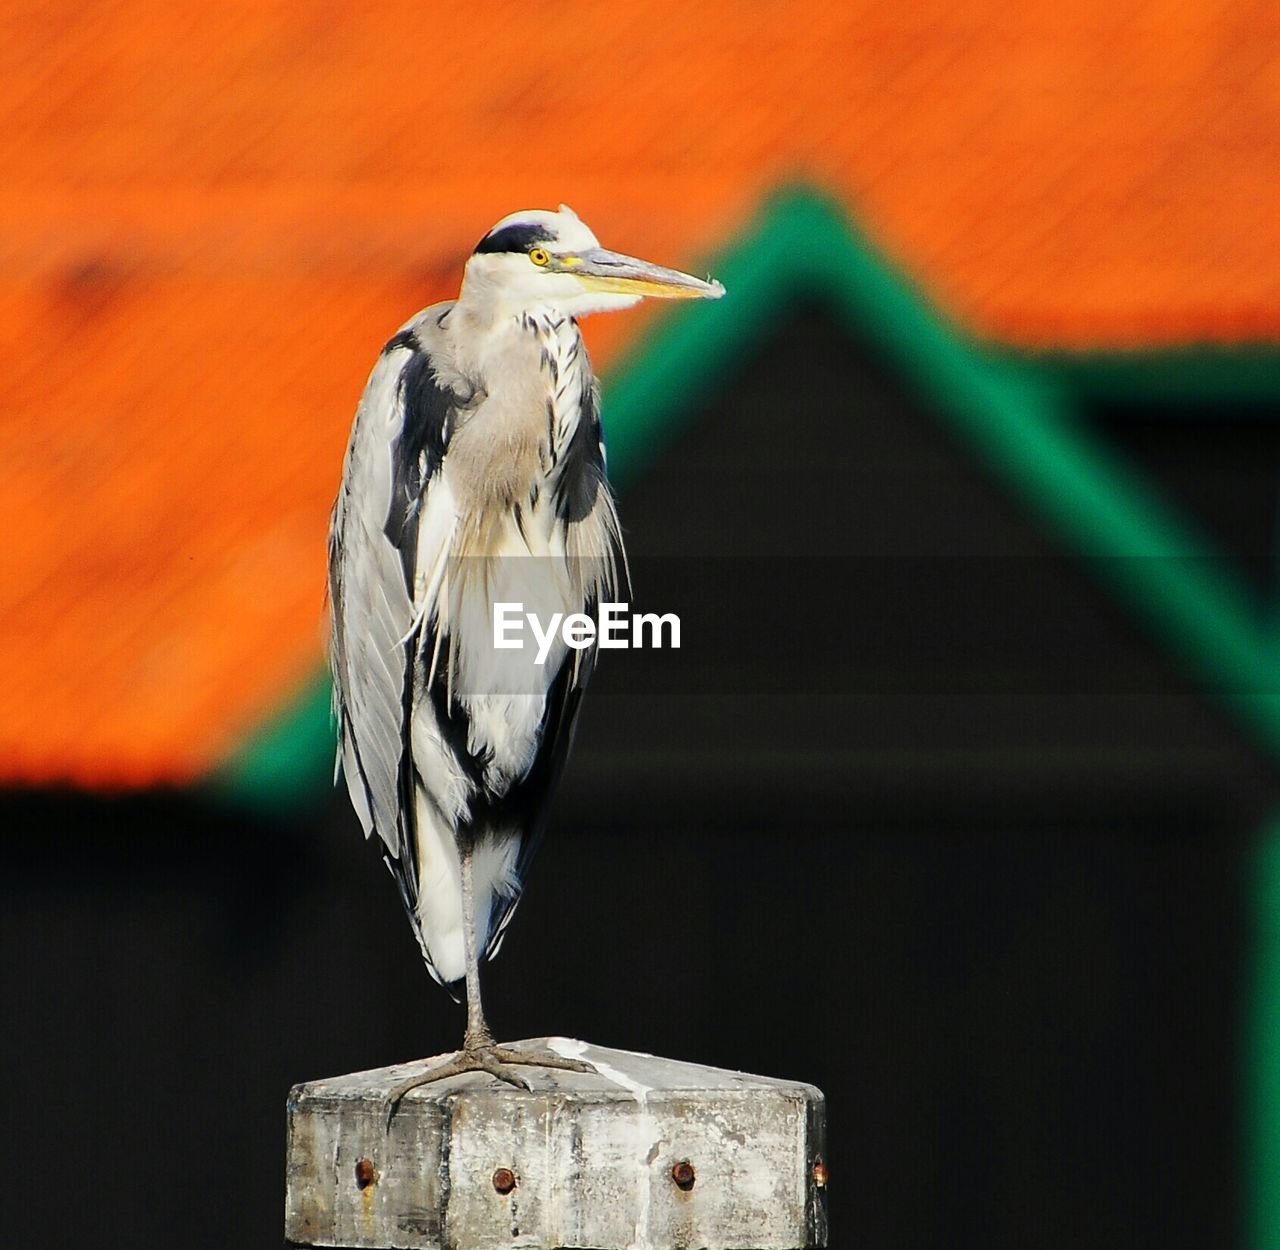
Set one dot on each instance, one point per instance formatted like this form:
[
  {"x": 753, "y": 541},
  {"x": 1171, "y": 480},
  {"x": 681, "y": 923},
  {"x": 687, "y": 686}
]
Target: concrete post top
[{"x": 644, "y": 1153}]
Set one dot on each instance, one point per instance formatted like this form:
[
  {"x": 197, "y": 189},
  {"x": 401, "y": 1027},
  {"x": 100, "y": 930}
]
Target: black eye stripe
[{"x": 515, "y": 238}]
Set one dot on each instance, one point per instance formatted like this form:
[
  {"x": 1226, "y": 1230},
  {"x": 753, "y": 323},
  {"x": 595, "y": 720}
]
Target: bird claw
[
  {"x": 541, "y": 1059},
  {"x": 497, "y": 1061}
]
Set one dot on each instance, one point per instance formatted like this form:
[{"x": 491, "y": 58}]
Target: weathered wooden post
[{"x": 645, "y": 1154}]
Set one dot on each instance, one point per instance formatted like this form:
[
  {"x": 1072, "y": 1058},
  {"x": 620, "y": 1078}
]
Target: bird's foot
[
  {"x": 487, "y": 1057},
  {"x": 541, "y": 1057}
]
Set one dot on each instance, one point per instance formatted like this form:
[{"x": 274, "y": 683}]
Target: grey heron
[{"x": 475, "y": 473}]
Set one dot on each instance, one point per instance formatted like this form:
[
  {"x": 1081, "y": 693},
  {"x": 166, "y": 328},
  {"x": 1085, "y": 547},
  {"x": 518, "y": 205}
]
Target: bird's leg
[
  {"x": 478, "y": 1042},
  {"x": 477, "y": 1037},
  {"x": 479, "y": 1053}
]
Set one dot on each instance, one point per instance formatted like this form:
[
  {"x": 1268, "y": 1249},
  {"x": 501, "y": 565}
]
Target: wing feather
[{"x": 398, "y": 441}]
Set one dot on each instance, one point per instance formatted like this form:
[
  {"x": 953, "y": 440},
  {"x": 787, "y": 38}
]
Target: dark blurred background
[{"x": 955, "y": 800}]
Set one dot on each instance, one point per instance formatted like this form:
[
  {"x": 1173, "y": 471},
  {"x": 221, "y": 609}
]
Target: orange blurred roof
[{"x": 212, "y": 216}]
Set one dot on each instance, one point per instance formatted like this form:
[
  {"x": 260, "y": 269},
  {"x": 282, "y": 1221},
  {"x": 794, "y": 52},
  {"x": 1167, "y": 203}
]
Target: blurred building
[{"x": 957, "y": 799}]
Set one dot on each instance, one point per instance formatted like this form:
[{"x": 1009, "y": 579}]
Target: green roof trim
[
  {"x": 1198, "y": 374},
  {"x": 1261, "y": 1086},
  {"x": 290, "y": 762}
]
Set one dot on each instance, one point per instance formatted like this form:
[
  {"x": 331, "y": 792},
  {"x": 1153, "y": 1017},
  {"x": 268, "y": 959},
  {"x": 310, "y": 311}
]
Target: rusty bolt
[
  {"x": 820, "y": 1174},
  {"x": 504, "y": 1180},
  {"x": 366, "y": 1173},
  {"x": 683, "y": 1174}
]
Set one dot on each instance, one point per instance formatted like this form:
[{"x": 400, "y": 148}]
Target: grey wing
[{"x": 398, "y": 440}]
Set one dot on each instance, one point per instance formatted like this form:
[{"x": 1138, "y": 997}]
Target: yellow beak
[{"x": 599, "y": 270}]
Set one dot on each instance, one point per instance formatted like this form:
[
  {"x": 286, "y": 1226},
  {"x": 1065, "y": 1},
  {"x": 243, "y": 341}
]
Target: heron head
[{"x": 541, "y": 259}]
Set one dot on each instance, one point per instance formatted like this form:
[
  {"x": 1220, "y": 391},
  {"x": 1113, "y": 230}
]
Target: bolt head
[
  {"x": 366, "y": 1173},
  {"x": 820, "y": 1174},
  {"x": 684, "y": 1175},
  {"x": 504, "y": 1180}
]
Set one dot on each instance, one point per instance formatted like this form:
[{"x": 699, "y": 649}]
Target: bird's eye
[{"x": 540, "y": 256}]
